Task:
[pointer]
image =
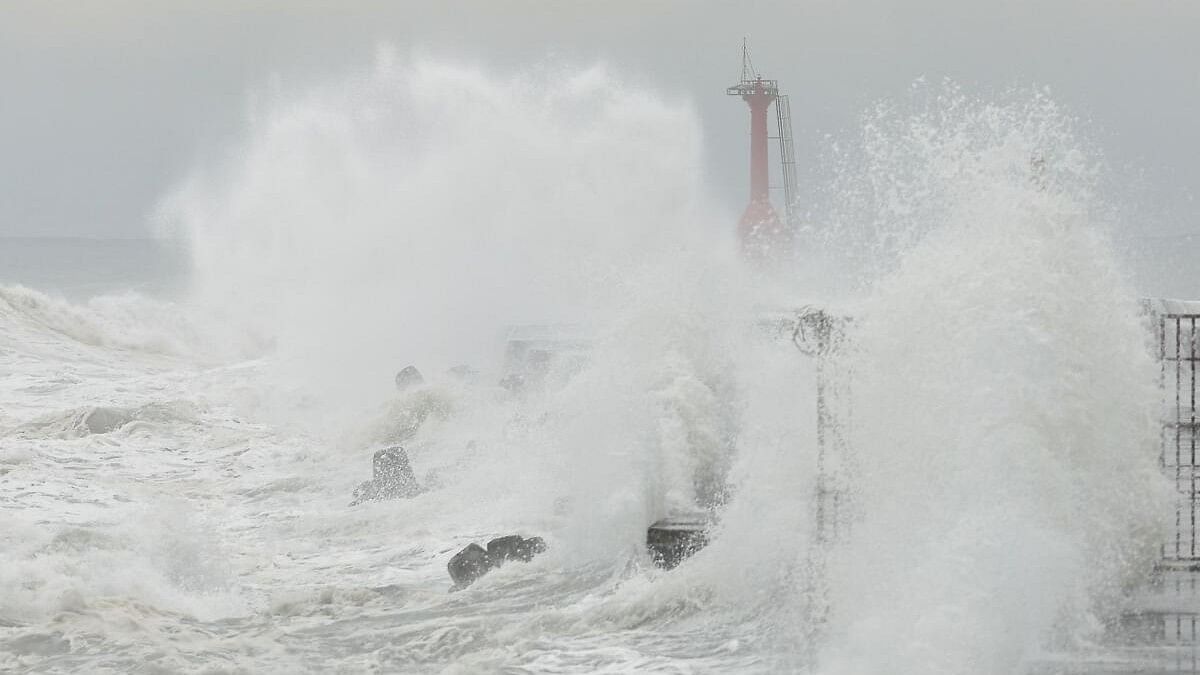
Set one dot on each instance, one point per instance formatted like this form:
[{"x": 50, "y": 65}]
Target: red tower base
[{"x": 761, "y": 232}]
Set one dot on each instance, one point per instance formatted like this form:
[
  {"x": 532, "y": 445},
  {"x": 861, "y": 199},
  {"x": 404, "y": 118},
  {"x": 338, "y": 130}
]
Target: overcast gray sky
[{"x": 104, "y": 105}]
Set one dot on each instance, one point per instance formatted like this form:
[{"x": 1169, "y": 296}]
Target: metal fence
[
  {"x": 1177, "y": 327},
  {"x": 1179, "y": 352}
]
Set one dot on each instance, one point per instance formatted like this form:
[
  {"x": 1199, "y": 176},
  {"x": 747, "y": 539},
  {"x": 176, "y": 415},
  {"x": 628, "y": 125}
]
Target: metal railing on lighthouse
[{"x": 762, "y": 232}]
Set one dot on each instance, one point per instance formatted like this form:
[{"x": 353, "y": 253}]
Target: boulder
[
  {"x": 390, "y": 469},
  {"x": 392, "y": 477},
  {"x": 673, "y": 539},
  {"x": 536, "y": 545},
  {"x": 468, "y": 565},
  {"x": 514, "y": 547},
  {"x": 408, "y": 377},
  {"x": 473, "y": 561}
]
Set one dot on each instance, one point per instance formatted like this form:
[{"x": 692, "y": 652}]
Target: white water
[
  {"x": 1002, "y": 415},
  {"x": 1007, "y": 404}
]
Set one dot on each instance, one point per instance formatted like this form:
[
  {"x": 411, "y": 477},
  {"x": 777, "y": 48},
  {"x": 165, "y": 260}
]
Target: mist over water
[
  {"x": 414, "y": 211},
  {"x": 996, "y": 395}
]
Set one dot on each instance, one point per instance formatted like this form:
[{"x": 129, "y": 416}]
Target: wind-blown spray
[
  {"x": 1005, "y": 398},
  {"x": 410, "y": 213},
  {"x": 1005, "y": 485}
]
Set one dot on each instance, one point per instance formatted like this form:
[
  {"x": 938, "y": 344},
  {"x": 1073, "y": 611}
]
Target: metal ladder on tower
[{"x": 787, "y": 157}]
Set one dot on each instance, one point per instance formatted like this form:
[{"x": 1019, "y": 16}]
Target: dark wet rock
[
  {"x": 409, "y": 377},
  {"x": 392, "y": 478},
  {"x": 503, "y": 548},
  {"x": 468, "y": 565},
  {"x": 473, "y": 561},
  {"x": 536, "y": 545},
  {"x": 673, "y": 539},
  {"x": 369, "y": 491},
  {"x": 514, "y": 547},
  {"x": 390, "y": 466}
]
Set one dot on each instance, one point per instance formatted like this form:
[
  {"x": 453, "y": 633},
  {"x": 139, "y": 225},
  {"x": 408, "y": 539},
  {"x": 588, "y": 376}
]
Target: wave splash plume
[{"x": 1000, "y": 412}]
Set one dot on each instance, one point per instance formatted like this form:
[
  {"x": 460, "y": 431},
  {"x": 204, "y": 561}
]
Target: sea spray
[
  {"x": 411, "y": 213},
  {"x": 418, "y": 210},
  {"x": 1005, "y": 395},
  {"x": 1002, "y": 424}
]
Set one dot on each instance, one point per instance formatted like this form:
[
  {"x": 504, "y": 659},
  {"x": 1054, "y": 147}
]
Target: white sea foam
[{"x": 1000, "y": 402}]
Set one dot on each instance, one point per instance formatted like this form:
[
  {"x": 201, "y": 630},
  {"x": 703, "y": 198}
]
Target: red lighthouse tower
[{"x": 761, "y": 232}]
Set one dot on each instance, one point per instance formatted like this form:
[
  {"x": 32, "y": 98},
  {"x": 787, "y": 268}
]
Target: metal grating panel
[{"x": 1178, "y": 353}]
